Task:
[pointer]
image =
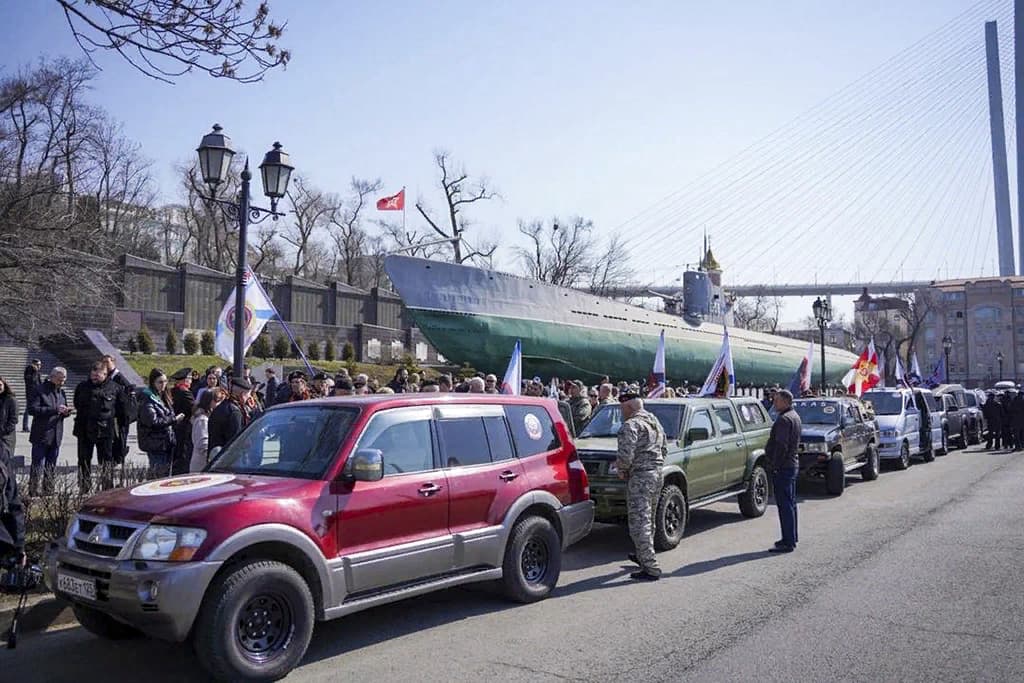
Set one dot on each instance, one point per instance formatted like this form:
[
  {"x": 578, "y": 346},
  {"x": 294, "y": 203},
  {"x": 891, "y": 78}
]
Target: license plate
[{"x": 80, "y": 588}]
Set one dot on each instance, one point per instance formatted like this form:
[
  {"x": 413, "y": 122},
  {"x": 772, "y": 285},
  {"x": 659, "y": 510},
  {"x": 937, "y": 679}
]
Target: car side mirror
[
  {"x": 697, "y": 434},
  {"x": 214, "y": 452},
  {"x": 366, "y": 465}
]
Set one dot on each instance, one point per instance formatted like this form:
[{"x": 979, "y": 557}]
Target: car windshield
[
  {"x": 885, "y": 403},
  {"x": 817, "y": 412},
  {"x": 972, "y": 400},
  {"x": 296, "y": 442},
  {"x": 607, "y": 421}
]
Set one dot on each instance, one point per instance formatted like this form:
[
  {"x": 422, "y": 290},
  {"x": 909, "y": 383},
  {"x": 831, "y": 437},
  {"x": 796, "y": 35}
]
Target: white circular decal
[
  {"x": 188, "y": 482},
  {"x": 533, "y": 427}
]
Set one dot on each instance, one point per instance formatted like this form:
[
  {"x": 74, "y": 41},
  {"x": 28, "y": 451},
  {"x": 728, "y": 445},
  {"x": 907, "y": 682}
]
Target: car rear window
[
  {"x": 533, "y": 430},
  {"x": 751, "y": 415},
  {"x": 463, "y": 442}
]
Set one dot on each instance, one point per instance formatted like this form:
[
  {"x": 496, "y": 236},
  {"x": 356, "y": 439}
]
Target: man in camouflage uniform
[
  {"x": 642, "y": 450},
  {"x": 579, "y": 405}
]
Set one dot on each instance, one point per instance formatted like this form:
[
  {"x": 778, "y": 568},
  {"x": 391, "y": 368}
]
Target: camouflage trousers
[{"x": 642, "y": 491}]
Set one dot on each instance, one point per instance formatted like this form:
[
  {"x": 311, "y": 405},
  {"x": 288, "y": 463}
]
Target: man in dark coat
[
  {"x": 182, "y": 402},
  {"x": 270, "y": 390},
  {"x": 784, "y": 465},
  {"x": 1008, "y": 435},
  {"x": 49, "y": 408},
  {"x": 32, "y": 381},
  {"x": 231, "y": 416},
  {"x": 12, "y": 512},
  {"x": 123, "y": 416},
  {"x": 96, "y": 426},
  {"x": 1017, "y": 420},
  {"x": 993, "y": 413}
]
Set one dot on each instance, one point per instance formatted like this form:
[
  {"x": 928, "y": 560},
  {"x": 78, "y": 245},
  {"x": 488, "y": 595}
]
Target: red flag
[{"x": 395, "y": 202}]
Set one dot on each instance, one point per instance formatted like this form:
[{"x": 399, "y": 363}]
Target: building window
[{"x": 988, "y": 314}]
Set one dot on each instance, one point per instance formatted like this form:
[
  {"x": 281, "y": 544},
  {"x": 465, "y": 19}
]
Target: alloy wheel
[
  {"x": 761, "y": 490},
  {"x": 673, "y": 516}
]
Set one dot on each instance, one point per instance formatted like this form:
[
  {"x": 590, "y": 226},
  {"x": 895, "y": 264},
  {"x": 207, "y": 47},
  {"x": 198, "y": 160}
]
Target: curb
[{"x": 41, "y": 612}]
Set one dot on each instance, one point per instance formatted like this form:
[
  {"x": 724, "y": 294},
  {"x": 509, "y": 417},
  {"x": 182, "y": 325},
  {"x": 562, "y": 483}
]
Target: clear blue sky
[{"x": 595, "y": 108}]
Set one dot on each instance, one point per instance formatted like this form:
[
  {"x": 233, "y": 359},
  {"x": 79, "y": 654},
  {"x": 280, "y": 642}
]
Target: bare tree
[
  {"x": 562, "y": 255},
  {"x": 312, "y": 208},
  {"x": 212, "y": 234},
  {"x": 459, "y": 191},
  {"x": 346, "y": 230},
  {"x": 612, "y": 267},
  {"x": 920, "y": 305},
  {"x": 759, "y": 313},
  {"x": 409, "y": 241},
  {"x": 165, "y": 39}
]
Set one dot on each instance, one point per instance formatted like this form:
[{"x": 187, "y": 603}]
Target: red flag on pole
[{"x": 395, "y": 202}]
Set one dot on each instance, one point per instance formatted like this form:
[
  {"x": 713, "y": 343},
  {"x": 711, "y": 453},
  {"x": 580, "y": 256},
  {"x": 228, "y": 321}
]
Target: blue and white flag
[
  {"x": 881, "y": 370},
  {"x": 801, "y": 381},
  {"x": 513, "y": 382},
  {"x": 915, "y": 367},
  {"x": 902, "y": 380},
  {"x": 938, "y": 375},
  {"x": 721, "y": 380},
  {"x": 258, "y": 311},
  {"x": 656, "y": 382}
]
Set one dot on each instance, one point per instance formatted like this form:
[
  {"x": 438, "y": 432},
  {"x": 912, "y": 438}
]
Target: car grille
[
  {"x": 101, "y": 537},
  {"x": 102, "y": 578}
]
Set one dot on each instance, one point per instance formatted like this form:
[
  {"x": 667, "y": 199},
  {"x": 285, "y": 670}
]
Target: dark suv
[
  {"x": 838, "y": 436},
  {"x": 324, "y": 508}
]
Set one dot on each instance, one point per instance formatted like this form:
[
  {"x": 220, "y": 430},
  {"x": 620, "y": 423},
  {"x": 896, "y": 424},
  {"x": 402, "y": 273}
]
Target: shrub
[
  {"x": 261, "y": 347},
  {"x": 329, "y": 350},
  {"x": 171, "y": 341},
  {"x": 206, "y": 343},
  {"x": 313, "y": 351},
  {"x": 348, "y": 352},
  {"x": 145, "y": 341},
  {"x": 411, "y": 364},
  {"x": 295, "y": 349},
  {"x": 191, "y": 343},
  {"x": 281, "y": 346}
]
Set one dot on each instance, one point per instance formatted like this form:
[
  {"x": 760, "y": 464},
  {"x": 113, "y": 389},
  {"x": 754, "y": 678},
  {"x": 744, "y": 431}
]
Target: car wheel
[
  {"x": 102, "y": 625},
  {"x": 835, "y": 477},
  {"x": 533, "y": 560},
  {"x": 670, "y": 518},
  {"x": 869, "y": 472},
  {"x": 975, "y": 436},
  {"x": 904, "y": 461},
  {"x": 255, "y": 622},
  {"x": 754, "y": 501},
  {"x": 945, "y": 444}
]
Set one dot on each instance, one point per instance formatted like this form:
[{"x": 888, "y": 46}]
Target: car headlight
[
  {"x": 816, "y": 447},
  {"x": 172, "y": 543}
]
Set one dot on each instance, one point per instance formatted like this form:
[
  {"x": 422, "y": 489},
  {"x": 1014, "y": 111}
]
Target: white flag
[
  {"x": 513, "y": 382},
  {"x": 721, "y": 380},
  {"x": 258, "y": 310}
]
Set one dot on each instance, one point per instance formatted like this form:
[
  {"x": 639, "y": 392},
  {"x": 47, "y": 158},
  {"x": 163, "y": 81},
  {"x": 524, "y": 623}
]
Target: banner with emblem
[
  {"x": 863, "y": 376},
  {"x": 258, "y": 311},
  {"x": 721, "y": 380}
]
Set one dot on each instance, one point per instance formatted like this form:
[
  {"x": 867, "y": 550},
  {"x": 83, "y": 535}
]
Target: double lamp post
[
  {"x": 215, "y": 155},
  {"x": 823, "y": 316}
]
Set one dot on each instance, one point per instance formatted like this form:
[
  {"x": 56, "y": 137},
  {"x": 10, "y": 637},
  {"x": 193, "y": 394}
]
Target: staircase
[{"x": 13, "y": 360}]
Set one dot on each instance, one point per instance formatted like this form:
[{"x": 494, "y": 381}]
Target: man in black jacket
[
  {"x": 96, "y": 426},
  {"x": 12, "y": 513},
  {"x": 993, "y": 413},
  {"x": 182, "y": 402},
  {"x": 271, "y": 388},
  {"x": 32, "y": 381},
  {"x": 49, "y": 408},
  {"x": 231, "y": 416},
  {"x": 123, "y": 416},
  {"x": 784, "y": 464}
]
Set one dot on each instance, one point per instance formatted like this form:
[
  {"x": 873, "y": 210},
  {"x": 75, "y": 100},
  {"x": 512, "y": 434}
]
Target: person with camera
[
  {"x": 157, "y": 422},
  {"x": 12, "y": 513}
]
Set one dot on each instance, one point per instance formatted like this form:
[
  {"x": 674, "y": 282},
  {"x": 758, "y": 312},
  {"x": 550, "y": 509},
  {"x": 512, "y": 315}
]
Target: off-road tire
[
  {"x": 254, "y": 586},
  {"x": 835, "y": 476},
  {"x": 904, "y": 461},
  {"x": 754, "y": 501},
  {"x": 533, "y": 560},
  {"x": 869, "y": 471},
  {"x": 102, "y": 625},
  {"x": 671, "y": 502}
]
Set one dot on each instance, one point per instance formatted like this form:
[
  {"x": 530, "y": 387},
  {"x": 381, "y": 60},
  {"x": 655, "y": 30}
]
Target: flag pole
[
  {"x": 403, "y": 209},
  {"x": 284, "y": 326}
]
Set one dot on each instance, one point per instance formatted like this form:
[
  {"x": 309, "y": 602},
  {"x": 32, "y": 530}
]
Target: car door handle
[
  {"x": 718, "y": 448},
  {"x": 429, "y": 489},
  {"x": 739, "y": 443},
  {"x": 507, "y": 475}
]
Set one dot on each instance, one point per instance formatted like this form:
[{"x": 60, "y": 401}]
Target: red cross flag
[{"x": 395, "y": 202}]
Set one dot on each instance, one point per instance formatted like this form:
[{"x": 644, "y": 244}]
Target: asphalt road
[{"x": 914, "y": 577}]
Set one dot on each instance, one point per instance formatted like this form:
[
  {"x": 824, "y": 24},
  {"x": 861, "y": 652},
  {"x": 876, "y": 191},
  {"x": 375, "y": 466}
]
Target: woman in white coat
[{"x": 200, "y": 427}]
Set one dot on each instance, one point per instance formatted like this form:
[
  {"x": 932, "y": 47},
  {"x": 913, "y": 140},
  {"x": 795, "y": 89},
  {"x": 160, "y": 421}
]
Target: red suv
[{"x": 323, "y": 508}]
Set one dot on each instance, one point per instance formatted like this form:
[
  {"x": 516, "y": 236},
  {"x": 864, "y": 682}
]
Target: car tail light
[{"x": 579, "y": 483}]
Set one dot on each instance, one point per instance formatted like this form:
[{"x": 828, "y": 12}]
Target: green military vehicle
[{"x": 715, "y": 452}]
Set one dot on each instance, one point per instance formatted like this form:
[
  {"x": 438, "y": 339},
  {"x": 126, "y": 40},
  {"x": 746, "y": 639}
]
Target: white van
[{"x": 899, "y": 425}]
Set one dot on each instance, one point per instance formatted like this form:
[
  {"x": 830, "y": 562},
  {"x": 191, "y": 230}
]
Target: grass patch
[{"x": 144, "y": 363}]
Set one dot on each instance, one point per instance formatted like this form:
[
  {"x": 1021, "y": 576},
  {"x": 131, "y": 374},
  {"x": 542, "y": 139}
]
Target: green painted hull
[{"x": 555, "y": 350}]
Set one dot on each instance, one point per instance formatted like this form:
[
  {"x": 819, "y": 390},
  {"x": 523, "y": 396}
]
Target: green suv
[{"x": 715, "y": 451}]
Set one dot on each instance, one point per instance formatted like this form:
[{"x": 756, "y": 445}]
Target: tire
[
  {"x": 754, "y": 501},
  {"x": 533, "y": 560},
  {"x": 236, "y": 604},
  {"x": 974, "y": 438},
  {"x": 670, "y": 518},
  {"x": 102, "y": 625},
  {"x": 869, "y": 472},
  {"x": 835, "y": 478},
  {"x": 904, "y": 461}
]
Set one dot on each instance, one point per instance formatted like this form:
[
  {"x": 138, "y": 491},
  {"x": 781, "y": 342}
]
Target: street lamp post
[
  {"x": 823, "y": 316},
  {"x": 999, "y": 357},
  {"x": 947, "y": 346},
  {"x": 215, "y": 154}
]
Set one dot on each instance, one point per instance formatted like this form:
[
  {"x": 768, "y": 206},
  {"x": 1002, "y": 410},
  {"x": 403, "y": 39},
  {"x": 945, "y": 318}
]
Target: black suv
[{"x": 838, "y": 436}]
